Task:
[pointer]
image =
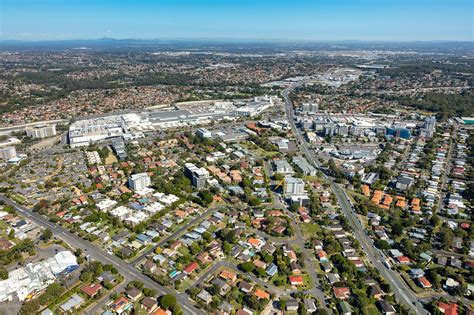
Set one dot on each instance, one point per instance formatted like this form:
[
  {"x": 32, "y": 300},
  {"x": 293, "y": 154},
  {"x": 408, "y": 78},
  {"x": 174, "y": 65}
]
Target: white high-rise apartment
[
  {"x": 40, "y": 132},
  {"x": 139, "y": 181},
  {"x": 293, "y": 186},
  {"x": 7, "y": 153}
]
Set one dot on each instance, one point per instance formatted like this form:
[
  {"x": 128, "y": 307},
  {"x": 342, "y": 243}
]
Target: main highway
[
  {"x": 96, "y": 253},
  {"x": 376, "y": 257}
]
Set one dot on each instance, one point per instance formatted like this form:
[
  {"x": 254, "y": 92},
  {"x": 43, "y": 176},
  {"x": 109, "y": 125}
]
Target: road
[
  {"x": 308, "y": 254},
  {"x": 225, "y": 264},
  {"x": 99, "y": 307},
  {"x": 447, "y": 170},
  {"x": 177, "y": 233},
  {"x": 17, "y": 128},
  {"x": 127, "y": 270},
  {"x": 399, "y": 287}
]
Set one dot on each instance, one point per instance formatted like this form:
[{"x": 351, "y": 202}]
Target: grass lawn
[
  {"x": 114, "y": 231},
  {"x": 410, "y": 282},
  {"x": 318, "y": 269},
  {"x": 311, "y": 178},
  {"x": 404, "y": 267},
  {"x": 307, "y": 283},
  {"x": 141, "y": 311},
  {"x": 259, "y": 151},
  {"x": 185, "y": 284},
  {"x": 111, "y": 158},
  {"x": 270, "y": 154},
  {"x": 267, "y": 154},
  {"x": 371, "y": 310},
  {"x": 18, "y": 198},
  {"x": 212, "y": 229},
  {"x": 296, "y": 248},
  {"x": 3, "y": 225},
  {"x": 363, "y": 219},
  {"x": 310, "y": 229},
  {"x": 283, "y": 278},
  {"x": 235, "y": 305},
  {"x": 184, "y": 250},
  {"x": 137, "y": 254}
]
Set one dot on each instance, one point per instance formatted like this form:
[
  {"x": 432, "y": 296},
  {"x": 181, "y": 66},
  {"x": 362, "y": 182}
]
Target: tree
[
  {"x": 195, "y": 248},
  {"x": 207, "y": 236},
  {"x": 108, "y": 285},
  {"x": 278, "y": 177},
  {"x": 86, "y": 276},
  {"x": 267, "y": 258},
  {"x": 397, "y": 228},
  {"x": 247, "y": 266},
  {"x": 260, "y": 272},
  {"x": 361, "y": 302},
  {"x": 302, "y": 309},
  {"x": 382, "y": 244},
  {"x": 282, "y": 305},
  {"x": 434, "y": 278},
  {"x": 9, "y": 209},
  {"x": 434, "y": 220},
  {"x": 253, "y": 201},
  {"x": 47, "y": 234},
  {"x": 226, "y": 247},
  {"x": 206, "y": 197},
  {"x": 3, "y": 273},
  {"x": 149, "y": 292},
  {"x": 176, "y": 309},
  {"x": 136, "y": 284},
  {"x": 52, "y": 292},
  {"x": 30, "y": 307},
  {"x": 446, "y": 236},
  {"x": 279, "y": 282},
  {"x": 104, "y": 152},
  {"x": 125, "y": 197},
  {"x": 11, "y": 234},
  {"x": 214, "y": 290},
  {"x": 167, "y": 301}
]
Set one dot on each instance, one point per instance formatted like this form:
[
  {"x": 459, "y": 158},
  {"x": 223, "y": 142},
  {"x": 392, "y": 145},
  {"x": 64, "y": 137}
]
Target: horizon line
[{"x": 240, "y": 39}]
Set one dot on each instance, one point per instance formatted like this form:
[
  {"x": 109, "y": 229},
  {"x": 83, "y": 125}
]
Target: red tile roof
[
  {"x": 261, "y": 294},
  {"x": 448, "y": 309},
  {"x": 92, "y": 289},
  {"x": 191, "y": 267},
  {"x": 424, "y": 282},
  {"x": 403, "y": 259},
  {"x": 296, "y": 280},
  {"x": 342, "y": 292}
]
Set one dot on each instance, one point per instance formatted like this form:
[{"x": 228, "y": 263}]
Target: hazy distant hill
[{"x": 233, "y": 45}]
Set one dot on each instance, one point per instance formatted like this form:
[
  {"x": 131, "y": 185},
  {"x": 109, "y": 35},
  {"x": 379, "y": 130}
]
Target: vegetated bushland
[
  {"x": 415, "y": 68},
  {"x": 443, "y": 105}
]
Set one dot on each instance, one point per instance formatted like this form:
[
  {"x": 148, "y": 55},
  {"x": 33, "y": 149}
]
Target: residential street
[
  {"x": 176, "y": 234},
  {"x": 399, "y": 287},
  {"x": 127, "y": 270}
]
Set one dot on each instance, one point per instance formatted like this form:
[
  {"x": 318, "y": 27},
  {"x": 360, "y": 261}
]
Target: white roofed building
[{"x": 35, "y": 277}]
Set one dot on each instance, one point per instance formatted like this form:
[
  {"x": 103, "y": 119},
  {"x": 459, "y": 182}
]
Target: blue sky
[{"x": 394, "y": 20}]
